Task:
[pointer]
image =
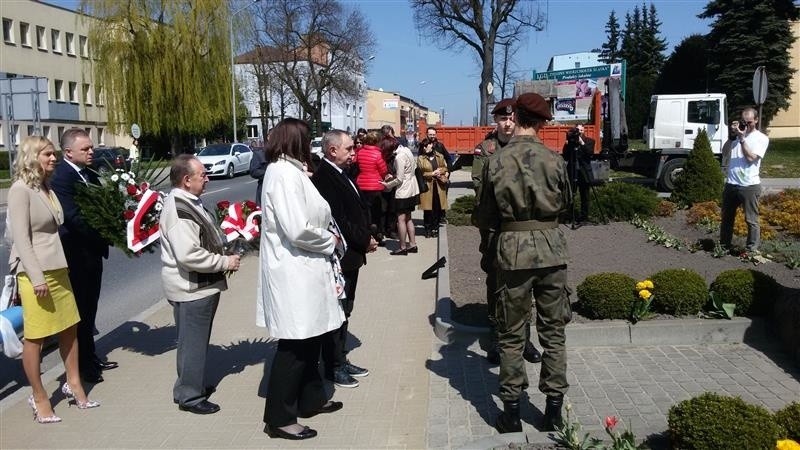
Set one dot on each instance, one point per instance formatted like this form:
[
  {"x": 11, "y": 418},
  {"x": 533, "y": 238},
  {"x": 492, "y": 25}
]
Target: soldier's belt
[{"x": 529, "y": 225}]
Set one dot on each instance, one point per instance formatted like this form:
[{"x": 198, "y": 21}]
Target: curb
[{"x": 610, "y": 332}]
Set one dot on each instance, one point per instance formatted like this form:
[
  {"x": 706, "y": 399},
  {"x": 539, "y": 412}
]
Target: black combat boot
[
  {"x": 531, "y": 354},
  {"x": 508, "y": 421},
  {"x": 552, "y": 413},
  {"x": 493, "y": 354}
]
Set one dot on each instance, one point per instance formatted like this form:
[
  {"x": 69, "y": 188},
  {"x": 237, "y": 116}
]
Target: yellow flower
[
  {"x": 787, "y": 444},
  {"x": 641, "y": 285},
  {"x": 645, "y": 294},
  {"x": 648, "y": 284}
]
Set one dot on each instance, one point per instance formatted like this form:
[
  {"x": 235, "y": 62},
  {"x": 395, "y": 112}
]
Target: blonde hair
[{"x": 26, "y": 165}]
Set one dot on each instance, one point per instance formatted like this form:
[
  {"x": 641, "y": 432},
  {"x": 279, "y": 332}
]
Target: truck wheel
[
  {"x": 669, "y": 173},
  {"x": 230, "y": 172}
]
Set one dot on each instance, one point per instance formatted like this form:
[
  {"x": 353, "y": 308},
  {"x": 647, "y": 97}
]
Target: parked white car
[{"x": 225, "y": 159}]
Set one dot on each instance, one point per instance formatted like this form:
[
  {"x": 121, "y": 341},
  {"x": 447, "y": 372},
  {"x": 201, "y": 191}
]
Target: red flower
[
  {"x": 131, "y": 189},
  {"x": 138, "y": 197},
  {"x": 251, "y": 205},
  {"x": 128, "y": 214},
  {"x": 611, "y": 422},
  {"x": 144, "y": 186},
  {"x": 223, "y": 204}
]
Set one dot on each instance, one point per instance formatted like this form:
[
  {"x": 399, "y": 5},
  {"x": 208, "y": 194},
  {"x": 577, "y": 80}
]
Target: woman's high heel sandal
[
  {"x": 39, "y": 419},
  {"x": 65, "y": 389}
]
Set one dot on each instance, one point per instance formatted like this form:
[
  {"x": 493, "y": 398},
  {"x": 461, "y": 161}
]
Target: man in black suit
[
  {"x": 352, "y": 216},
  {"x": 83, "y": 247}
]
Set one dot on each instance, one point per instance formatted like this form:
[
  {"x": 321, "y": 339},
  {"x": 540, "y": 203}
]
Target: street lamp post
[{"x": 233, "y": 67}]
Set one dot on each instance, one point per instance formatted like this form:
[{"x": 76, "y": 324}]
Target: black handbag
[{"x": 423, "y": 185}]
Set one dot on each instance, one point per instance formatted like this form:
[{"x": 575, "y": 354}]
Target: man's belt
[{"x": 529, "y": 225}]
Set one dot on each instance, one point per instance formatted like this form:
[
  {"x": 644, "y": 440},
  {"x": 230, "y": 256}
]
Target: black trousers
[
  {"x": 86, "y": 277},
  {"x": 294, "y": 382},
  {"x": 374, "y": 200},
  {"x": 334, "y": 343}
]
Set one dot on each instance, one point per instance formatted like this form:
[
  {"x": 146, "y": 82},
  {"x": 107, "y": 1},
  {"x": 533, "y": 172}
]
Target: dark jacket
[
  {"x": 349, "y": 211},
  {"x": 75, "y": 233},
  {"x": 258, "y": 167}
]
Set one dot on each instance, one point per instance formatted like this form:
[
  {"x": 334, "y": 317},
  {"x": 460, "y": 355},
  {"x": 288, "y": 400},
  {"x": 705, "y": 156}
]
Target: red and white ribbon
[
  {"x": 235, "y": 225},
  {"x": 136, "y": 237}
]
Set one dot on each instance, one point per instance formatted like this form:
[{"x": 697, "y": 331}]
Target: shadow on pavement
[
  {"x": 779, "y": 341},
  {"x": 231, "y": 359},
  {"x": 140, "y": 338}
]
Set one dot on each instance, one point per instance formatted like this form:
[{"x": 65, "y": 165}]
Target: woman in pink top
[{"x": 372, "y": 170}]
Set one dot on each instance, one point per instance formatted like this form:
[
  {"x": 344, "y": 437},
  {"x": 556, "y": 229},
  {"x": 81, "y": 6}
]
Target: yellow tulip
[
  {"x": 645, "y": 294},
  {"x": 640, "y": 285},
  {"x": 648, "y": 284},
  {"x": 787, "y": 444}
]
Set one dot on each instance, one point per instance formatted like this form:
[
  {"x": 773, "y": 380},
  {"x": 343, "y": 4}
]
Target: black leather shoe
[
  {"x": 508, "y": 421},
  {"x": 105, "y": 365},
  {"x": 275, "y": 432},
  {"x": 327, "y": 408},
  {"x": 553, "y": 419},
  {"x": 93, "y": 377},
  {"x": 343, "y": 379},
  {"x": 531, "y": 354},
  {"x": 206, "y": 393},
  {"x": 413, "y": 249},
  {"x": 399, "y": 251},
  {"x": 204, "y": 407},
  {"x": 355, "y": 371}
]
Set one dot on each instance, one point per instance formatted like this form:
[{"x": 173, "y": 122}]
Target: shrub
[
  {"x": 680, "y": 292},
  {"x": 464, "y": 204},
  {"x": 789, "y": 419},
  {"x": 782, "y": 210},
  {"x": 703, "y": 211},
  {"x": 711, "y": 421},
  {"x": 666, "y": 208},
  {"x": 752, "y": 291},
  {"x": 622, "y": 201},
  {"x": 701, "y": 179},
  {"x": 606, "y": 296}
]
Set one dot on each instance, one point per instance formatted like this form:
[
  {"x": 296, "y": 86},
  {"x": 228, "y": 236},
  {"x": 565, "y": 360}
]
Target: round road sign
[{"x": 136, "y": 131}]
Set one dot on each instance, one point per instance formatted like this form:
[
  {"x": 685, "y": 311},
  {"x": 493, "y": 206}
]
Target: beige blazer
[{"x": 34, "y": 221}]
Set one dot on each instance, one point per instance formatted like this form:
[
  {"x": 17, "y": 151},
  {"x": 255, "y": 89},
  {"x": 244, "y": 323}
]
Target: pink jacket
[{"x": 371, "y": 168}]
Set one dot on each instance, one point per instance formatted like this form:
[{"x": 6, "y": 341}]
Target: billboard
[{"x": 573, "y": 88}]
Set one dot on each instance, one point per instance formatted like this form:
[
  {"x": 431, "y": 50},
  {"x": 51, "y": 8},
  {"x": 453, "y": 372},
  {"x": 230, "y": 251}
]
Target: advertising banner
[{"x": 574, "y": 88}]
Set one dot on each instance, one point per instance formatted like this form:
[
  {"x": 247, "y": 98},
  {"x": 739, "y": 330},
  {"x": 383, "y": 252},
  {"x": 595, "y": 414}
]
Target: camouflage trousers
[{"x": 513, "y": 310}]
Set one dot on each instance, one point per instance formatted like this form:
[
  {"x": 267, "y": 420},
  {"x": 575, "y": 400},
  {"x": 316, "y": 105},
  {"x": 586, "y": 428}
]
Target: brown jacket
[{"x": 426, "y": 198}]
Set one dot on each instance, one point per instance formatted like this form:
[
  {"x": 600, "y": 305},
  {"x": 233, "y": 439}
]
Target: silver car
[{"x": 225, "y": 159}]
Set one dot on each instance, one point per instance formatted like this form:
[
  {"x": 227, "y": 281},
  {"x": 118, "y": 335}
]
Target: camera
[
  {"x": 573, "y": 136},
  {"x": 742, "y": 126}
]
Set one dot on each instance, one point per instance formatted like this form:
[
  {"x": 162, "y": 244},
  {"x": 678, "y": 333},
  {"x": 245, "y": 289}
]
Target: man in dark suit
[
  {"x": 83, "y": 247},
  {"x": 352, "y": 216}
]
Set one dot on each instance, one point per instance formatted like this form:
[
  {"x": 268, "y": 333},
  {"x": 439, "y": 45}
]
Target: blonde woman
[{"x": 37, "y": 258}]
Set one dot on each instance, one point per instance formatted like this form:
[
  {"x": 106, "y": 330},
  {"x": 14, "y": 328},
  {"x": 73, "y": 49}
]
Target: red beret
[
  {"x": 504, "y": 106},
  {"x": 534, "y": 104}
]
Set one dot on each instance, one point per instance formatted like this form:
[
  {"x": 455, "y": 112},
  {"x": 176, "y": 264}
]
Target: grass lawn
[{"x": 782, "y": 159}]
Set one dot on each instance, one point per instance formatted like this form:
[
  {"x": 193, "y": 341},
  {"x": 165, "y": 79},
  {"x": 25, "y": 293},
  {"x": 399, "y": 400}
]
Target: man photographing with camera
[
  {"x": 577, "y": 152},
  {"x": 744, "y": 152}
]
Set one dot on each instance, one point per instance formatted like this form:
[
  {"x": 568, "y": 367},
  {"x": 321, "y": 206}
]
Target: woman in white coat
[
  {"x": 299, "y": 299},
  {"x": 406, "y": 199}
]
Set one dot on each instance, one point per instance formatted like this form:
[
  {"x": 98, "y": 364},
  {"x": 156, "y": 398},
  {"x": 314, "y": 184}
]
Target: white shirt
[{"x": 742, "y": 172}]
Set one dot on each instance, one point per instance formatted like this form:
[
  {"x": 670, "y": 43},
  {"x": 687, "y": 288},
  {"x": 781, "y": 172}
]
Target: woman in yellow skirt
[{"x": 48, "y": 304}]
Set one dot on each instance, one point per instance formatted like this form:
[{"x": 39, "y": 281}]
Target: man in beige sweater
[{"x": 193, "y": 276}]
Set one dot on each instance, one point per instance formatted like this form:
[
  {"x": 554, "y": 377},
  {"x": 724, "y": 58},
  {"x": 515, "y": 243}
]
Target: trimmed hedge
[
  {"x": 713, "y": 422},
  {"x": 789, "y": 418},
  {"x": 752, "y": 292},
  {"x": 622, "y": 201},
  {"x": 606, "y": 296},
  {"x": 679, "y": 292}
]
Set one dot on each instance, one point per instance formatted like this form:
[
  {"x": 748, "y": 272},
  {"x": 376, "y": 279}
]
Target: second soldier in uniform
[
  {"x": 524, "y": 189},
  {"x": 494, "y": 142}
]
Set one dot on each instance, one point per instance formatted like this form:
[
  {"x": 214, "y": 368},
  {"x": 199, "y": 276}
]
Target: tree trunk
[{"x": 487, "y": 72}]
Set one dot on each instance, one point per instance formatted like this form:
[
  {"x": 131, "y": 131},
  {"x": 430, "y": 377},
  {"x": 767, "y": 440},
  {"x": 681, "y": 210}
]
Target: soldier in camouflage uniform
[
  {"x": 495, "y": 141},
  {"x": 525, "y": 188}
]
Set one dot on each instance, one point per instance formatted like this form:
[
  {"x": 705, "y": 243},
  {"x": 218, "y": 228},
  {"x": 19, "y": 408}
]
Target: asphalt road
[{"x": 130, "y": 285}]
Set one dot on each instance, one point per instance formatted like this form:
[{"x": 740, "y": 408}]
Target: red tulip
[
  {"x": 223, "y": 204},
  {"x": 611, "y": 422},
  {"x": 128, "y": 214},
  {"x": 132, "y": 189},
  {"x": 251, "y": 205}
]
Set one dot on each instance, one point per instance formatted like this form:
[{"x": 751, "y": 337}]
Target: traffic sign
[
  {"x": 136, "y": 131},
  {"x": 760, "y": 85}
]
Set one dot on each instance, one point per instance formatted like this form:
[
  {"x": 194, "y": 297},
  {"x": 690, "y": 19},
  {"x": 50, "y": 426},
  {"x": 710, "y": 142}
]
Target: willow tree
[{"x": 162, "y": 64}]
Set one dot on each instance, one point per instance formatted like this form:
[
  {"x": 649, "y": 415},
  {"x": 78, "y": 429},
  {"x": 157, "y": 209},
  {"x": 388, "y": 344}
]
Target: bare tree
[
  {"x": 507, "y": 71},
  {"x": 477, "y": 24},
  {"x": 314, "y": 47}
]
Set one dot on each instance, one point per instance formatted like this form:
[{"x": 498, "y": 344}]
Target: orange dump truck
[{"x": 461, "y": 141}]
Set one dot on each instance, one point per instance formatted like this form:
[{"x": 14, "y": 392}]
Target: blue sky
[{"x": 404, "y": 59}]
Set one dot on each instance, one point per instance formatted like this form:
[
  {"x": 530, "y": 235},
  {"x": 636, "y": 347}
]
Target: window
[
  {"x": 1, "y": 134},
  {"x": 8, "y": 31},
  {"x": 704, "y": 111},
  {"x": 15, "y": 129},
  {"x": 46, "y": 131},
  {"x": 87, "y": 99},
  {"x": 98, "y": 95},
  {"x": 252, "y": 131},
  {"x": 324, "y": 109},
  {"x": 41, "y": 40},
  {"x": 30, "y": 130},
  {"x": 25, "y": 34},
  {"x": 70, "y": 44},
  {"x": 59, "y": 90},
  {"x": 55, "y": 40},
  {"x": 60, "y": 133},
  {"x": 347, "y": 108},
  {"x": 83, "y": 42},
  {"x": 101, "y": 138},
  {"x": 360, "y": 112},
  {"x": 73, "y": 92}
]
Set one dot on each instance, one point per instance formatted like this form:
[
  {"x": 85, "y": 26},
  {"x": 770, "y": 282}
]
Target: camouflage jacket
[
  {"x": 483, "y": 151},
  {"x": 524, "y": 184}
]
